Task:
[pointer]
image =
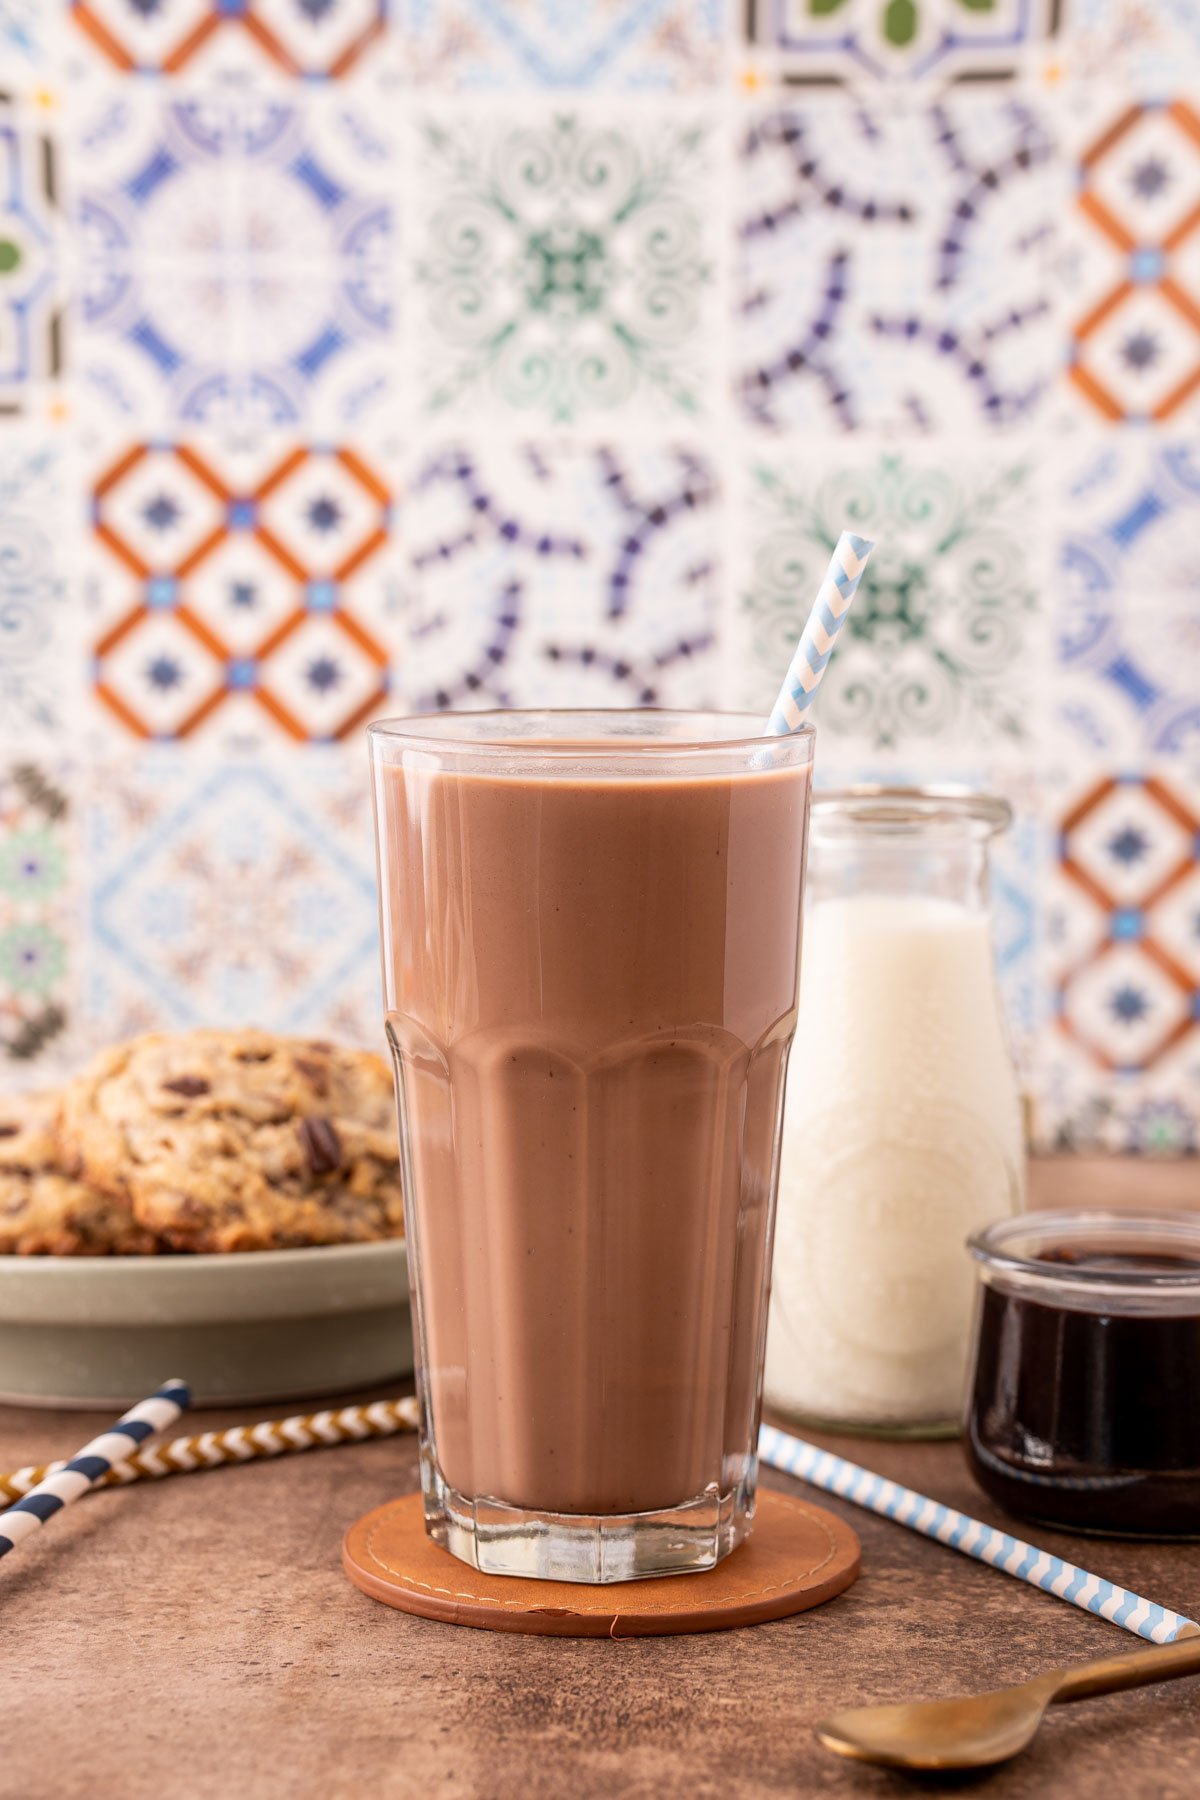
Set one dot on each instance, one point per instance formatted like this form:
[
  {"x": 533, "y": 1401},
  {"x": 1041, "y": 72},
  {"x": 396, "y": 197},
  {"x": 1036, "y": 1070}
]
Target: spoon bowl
[
  {"x": 971, "y": 1733},
  {"x": 980, "y": 1730}
]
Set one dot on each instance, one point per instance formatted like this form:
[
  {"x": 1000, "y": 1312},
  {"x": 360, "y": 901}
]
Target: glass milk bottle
[{"x": 902, "y": 1123}]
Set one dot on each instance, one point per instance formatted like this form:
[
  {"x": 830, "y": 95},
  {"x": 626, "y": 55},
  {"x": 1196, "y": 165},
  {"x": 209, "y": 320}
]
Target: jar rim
[
  {"x": 893, "y": 809},
  {"x": 1011, "y": 1249}
]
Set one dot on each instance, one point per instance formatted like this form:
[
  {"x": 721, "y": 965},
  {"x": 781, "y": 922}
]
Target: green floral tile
[
  {"x": 917, "y": 40},
  {"x": 35, "y": 917},
  {"x": 32, "y": 281},
  {"x": 564, "y": 265},
  {"x": 940, "y": 648}
]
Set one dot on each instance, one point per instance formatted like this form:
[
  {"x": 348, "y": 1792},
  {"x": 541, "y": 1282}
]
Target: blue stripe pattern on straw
[
  {"x": 828, "y": 614},
  {"x": 92, "y": 1462},
  {"x": 972, "y": 1537}
]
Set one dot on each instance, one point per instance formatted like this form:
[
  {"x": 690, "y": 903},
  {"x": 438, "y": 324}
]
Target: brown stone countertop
[{"x": 196, "y": 1637}]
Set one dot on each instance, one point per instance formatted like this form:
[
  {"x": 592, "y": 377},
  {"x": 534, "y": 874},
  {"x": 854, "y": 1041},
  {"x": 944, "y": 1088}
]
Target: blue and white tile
[
  {"x": 1119, "y": 1058},
  {"x": 1126, "y": 611},
  {"x": 238, "y": 257},
  {"x": 42, "y": 644},
  {"x": 28, "y": 33},
  {"x": 1017, "y": 865},
  {"x": 631, "y": 46},
  {"x": 896, "y": 267},
  {"x": 552, "y": 575},
  {"x": 227, "y": 891}
]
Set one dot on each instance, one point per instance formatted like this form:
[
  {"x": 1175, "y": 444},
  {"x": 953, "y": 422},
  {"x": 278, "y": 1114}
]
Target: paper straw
[
  {"x": 972, "y": 1537},
  {"x": 92, "y": 1463},
  {"x": 828, "y": 614},
  {"x": 242, "y": 1443}
]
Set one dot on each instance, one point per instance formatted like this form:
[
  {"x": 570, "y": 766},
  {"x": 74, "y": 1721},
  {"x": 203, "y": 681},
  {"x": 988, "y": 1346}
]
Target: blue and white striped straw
[
  {"x": 959, "y": 1531},
  {"x": 828, "y": 614},
  {"x": 92, "y": 1462}
]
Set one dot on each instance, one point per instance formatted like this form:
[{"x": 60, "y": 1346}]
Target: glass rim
[
  {"x": 993, "y": 1248},
  {"x": 896, "y": 808},
  {"x": 421, "y": 732}
]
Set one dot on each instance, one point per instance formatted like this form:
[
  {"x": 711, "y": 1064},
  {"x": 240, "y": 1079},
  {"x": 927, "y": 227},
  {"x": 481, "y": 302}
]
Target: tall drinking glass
[{"x": 590, "y": 951}]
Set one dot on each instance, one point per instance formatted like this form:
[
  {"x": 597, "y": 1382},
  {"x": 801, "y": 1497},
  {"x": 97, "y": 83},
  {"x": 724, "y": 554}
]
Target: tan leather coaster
[{"x": 798, "y": 1555}]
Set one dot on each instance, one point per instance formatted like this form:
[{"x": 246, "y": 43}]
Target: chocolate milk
[{"x": 592, "y": 986}]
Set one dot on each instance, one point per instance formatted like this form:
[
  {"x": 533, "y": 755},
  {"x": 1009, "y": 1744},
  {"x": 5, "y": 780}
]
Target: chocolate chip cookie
[
  {"x": 238, "y": 1140},
  {"x": 44, "y": 1211}
]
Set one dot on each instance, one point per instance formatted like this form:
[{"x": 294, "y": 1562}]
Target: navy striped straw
[
  {"x": 92, "y": 1463},
  {"x": 959, "y": 1531}
]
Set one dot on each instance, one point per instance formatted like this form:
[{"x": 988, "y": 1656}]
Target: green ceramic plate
[{"x": 271, "y": 1325}]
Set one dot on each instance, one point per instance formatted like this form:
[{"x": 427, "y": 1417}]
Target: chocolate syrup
[{"x": 1086, "y": 1414}]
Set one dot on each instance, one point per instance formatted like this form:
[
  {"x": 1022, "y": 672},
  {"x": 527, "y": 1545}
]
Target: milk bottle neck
[
  {"x": 929, "y": 843},
  {"x": 861, "y": 863}
]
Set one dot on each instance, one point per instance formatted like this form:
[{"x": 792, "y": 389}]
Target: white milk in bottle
[{"x": 902, "y": 1123}]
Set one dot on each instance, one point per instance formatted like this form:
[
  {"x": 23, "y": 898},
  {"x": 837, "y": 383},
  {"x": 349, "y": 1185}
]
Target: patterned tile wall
[{"x": 370, "y": 354}]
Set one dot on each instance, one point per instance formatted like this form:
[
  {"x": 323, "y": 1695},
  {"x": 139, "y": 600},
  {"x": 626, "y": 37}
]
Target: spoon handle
[{"x": 1112, "y": 1673}]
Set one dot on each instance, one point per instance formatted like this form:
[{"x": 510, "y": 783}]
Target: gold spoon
[{"x": 983, "y": 1729}]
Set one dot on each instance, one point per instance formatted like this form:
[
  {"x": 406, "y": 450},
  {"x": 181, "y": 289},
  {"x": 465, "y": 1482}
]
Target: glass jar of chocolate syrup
[{"x": 1084, "y": 1407}]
